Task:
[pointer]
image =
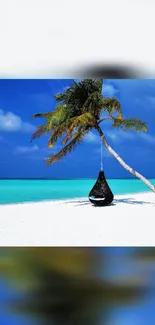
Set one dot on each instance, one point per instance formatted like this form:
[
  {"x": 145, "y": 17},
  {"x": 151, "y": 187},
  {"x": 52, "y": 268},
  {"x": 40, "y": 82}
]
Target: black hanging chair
[{"x": 101, "y": 194}]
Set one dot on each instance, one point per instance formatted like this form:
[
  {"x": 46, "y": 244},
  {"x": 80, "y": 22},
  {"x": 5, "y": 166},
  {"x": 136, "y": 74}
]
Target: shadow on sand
[{"x": 129, "y": 201}]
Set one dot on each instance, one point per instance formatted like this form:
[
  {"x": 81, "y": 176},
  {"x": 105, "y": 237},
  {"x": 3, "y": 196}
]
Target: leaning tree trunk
[{"x": 122, "y": 162}]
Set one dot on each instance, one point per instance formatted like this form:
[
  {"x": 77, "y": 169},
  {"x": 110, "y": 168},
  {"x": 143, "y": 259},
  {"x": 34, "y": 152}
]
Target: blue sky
[{"x": 19, "y": 158}]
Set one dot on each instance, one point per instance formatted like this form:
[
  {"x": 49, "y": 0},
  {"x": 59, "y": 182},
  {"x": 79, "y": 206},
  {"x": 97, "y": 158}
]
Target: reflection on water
[{"x": 81, "y": 286}]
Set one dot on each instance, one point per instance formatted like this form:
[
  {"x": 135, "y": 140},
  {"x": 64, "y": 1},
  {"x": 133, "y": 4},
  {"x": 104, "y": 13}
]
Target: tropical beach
[
  {"x": 77, "y": 163},
  {"x": 130, "y": 220}
]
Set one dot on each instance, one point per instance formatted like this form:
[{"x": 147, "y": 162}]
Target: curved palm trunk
[{"x": 122, "y": 162}]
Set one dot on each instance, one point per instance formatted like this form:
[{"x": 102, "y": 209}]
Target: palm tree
[
  {"x": 78, "y": 111},
  {"x": 62, "y": 285}
]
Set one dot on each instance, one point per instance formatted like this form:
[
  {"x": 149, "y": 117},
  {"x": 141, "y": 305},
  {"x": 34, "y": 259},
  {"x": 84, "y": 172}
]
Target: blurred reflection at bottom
[{"x": 80, "y": 286}]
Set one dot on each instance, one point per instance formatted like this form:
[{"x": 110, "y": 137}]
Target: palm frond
[
  {"x": 58, "y": 132},
  {"x": 60, "y": 114},
  {"x": 99, "y": 84},
  {"x": 54, "y": 119},
  {"x": 84, "y": 120},
  {"x": 60, "y": 97},
  {"x": 66, "y": 139},
  {"x": 112, "y": 105},
  {"x": 67, "y": 149},
  {"x": 130, "y": 124},
  {"x": 77, "y": 94},
  {"x": 43, "y": 115},
  {"x": 69, "y": 126},
  {"x": 77, "y": 131},
  {"x": 93, "y": 103},
  {"x": 41, "y": 130}
]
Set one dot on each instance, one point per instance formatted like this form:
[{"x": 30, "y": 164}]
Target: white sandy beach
[{"x": 130, "y": 221}]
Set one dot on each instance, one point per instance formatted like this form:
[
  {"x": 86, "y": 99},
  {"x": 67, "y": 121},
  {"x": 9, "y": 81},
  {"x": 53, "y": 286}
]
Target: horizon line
[{"x": 76, "y": 178}]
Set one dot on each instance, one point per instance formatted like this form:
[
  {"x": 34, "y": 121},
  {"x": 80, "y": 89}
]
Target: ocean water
[{"x": 20, "y": 191}]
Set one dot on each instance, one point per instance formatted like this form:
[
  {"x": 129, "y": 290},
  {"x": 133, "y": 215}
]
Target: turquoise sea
[{"x": 19, "y": 191}]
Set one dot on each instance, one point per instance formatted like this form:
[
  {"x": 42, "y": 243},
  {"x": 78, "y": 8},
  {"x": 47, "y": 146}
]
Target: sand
[{"x": 129, "y": 221}]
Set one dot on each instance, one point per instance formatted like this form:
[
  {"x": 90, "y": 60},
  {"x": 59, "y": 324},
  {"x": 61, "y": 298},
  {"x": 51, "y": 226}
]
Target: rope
[{"x": 101, "y": 156}]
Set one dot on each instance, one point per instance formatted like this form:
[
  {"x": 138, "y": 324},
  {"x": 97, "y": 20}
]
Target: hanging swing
[{"x": 101, "y": 194}]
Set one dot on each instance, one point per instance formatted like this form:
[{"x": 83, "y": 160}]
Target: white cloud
[
  {"x": 24, "y": 149},
  {"x": 145, "y": 102},
  {"x": 113, "y": 135},
  {"x": 91, "y": 138},
  {"x": 120, "y": 135},
  {"x": 9, "y": 122},
  {"x": 109, "y": 90},
  {"x": 147, "y": 137}
]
